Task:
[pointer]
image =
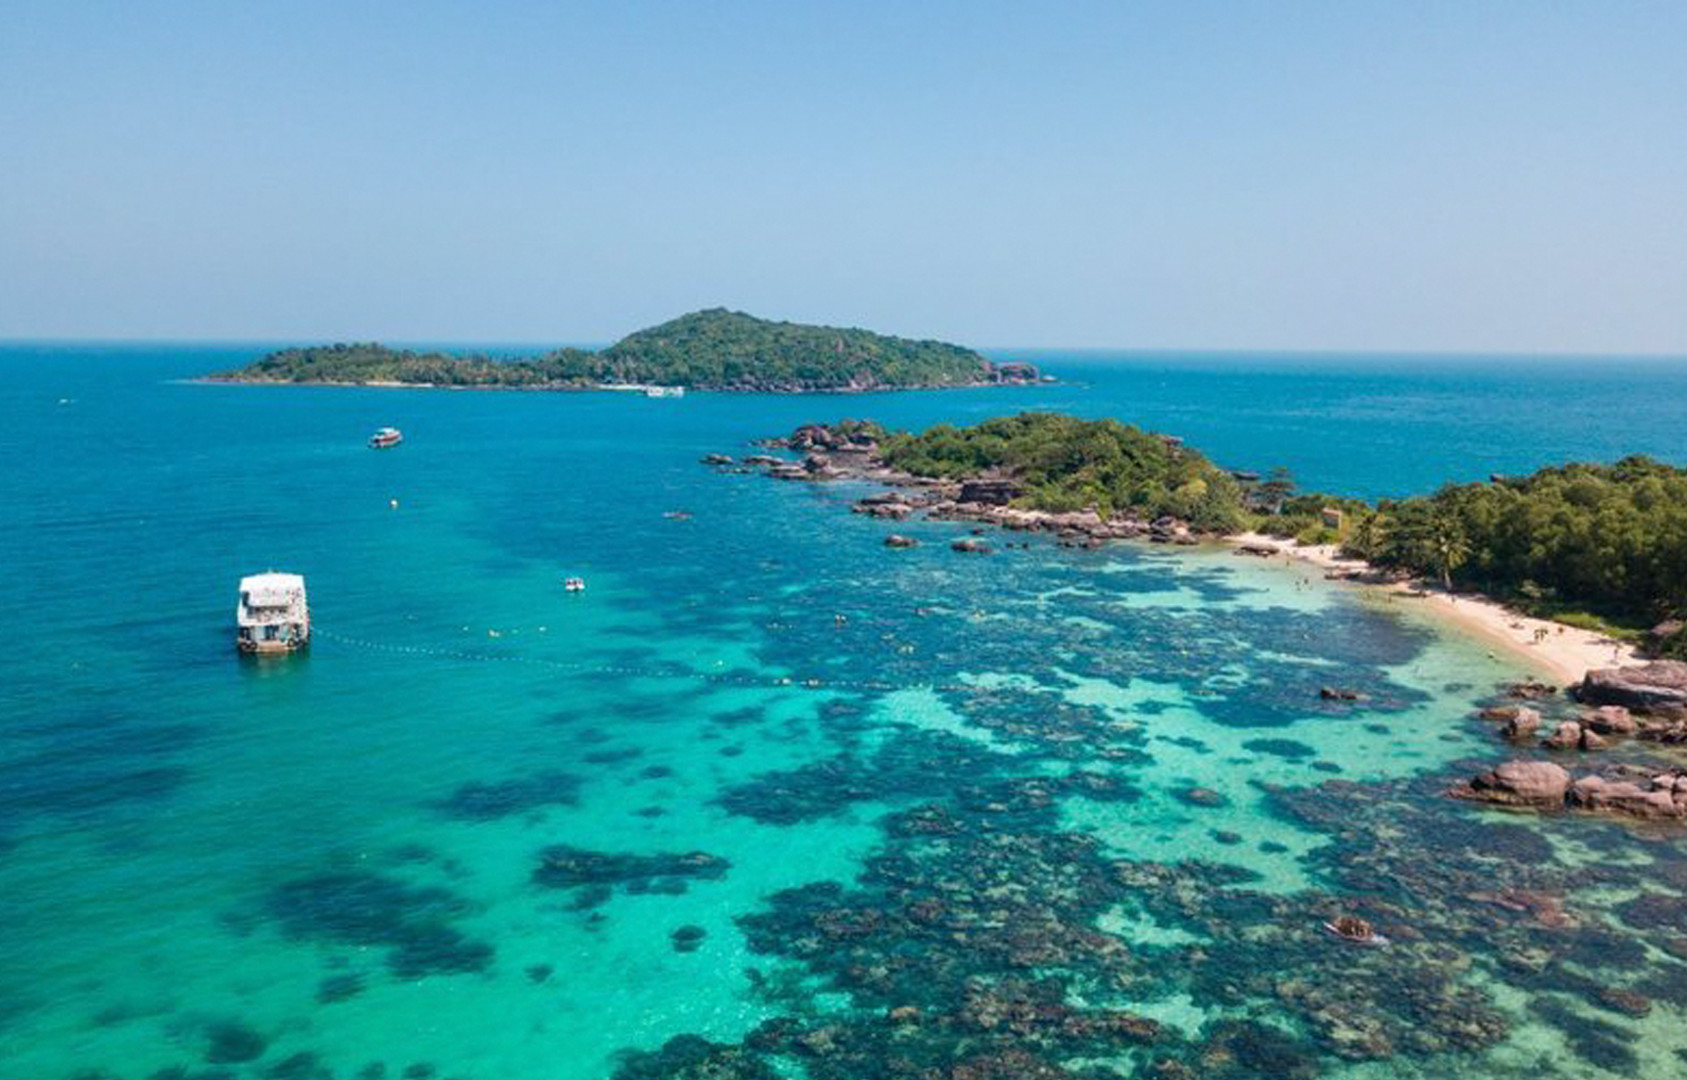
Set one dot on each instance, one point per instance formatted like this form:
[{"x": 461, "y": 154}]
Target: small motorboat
[
  {"x": 1358, "y": 931},
  {"x": 385, "y": 438},
  {"x": 574, "y": 584}
]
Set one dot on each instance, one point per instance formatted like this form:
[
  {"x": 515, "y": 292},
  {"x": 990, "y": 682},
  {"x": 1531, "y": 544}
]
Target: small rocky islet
[{"x": 851, "y": 451}]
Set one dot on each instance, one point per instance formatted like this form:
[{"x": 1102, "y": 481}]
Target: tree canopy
[
  {"x": 712, "y": 350},
  {"x": 1064, "y": 463},
  {"x": 1608, "y": 538}
]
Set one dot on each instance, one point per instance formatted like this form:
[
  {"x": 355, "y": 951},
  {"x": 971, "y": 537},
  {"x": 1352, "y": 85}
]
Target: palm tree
[
  {"x": 1369, "y": 533},
  {"x": 1446, "y": 544}
]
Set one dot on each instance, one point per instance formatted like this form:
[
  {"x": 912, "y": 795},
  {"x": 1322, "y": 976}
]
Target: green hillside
[{"x": 706, "y": 350}]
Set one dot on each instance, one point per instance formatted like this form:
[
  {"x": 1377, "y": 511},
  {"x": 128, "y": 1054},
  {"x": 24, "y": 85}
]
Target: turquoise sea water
[{"x": 457, "y": 838}]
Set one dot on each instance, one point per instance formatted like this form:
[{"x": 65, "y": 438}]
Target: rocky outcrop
[
  {"x": 1660, "y": 796},
  {"x": 1625, "y": 791},
  {"x": 1610, "y": 720},
  {"x": 1530, "y": 691},
  {"x": 1521, "y": 724},
  {"x": 1572, "y": 736},
  {"x": 1660, "y": 684},
  {"x": 970, "y": 545},
  {"x": 996, "y": 492},
  {"x": 894, "y": 511},
  {"x": 1169, "y": 530},
  {"x": 847, "y": 437},
  {"x": 1540, "y": 785},
  {"x": 820, "y": 467},
  {"x": 888, "y": 504},
  {"x": 897, "y": 540},
  {"x": 1014, "y": 371}
]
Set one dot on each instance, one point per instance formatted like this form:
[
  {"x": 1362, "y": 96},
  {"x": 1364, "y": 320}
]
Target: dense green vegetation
[
  {"x": 1607, "y": 540},
  {"x": 1064, "y": 463},
  {"x": 721, "y": 348},
  {"x": 1598, "y": 546},
  {"x": 371, "y": 363},
  {"x": 716, "y": 350}
]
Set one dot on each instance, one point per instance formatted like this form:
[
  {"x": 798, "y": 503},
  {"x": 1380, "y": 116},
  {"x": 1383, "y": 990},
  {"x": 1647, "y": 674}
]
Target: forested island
[
  {"x": 1060, "y": 464},
  {"x": 1598, "y": 546},
  {"x": 705, "y": 350}
]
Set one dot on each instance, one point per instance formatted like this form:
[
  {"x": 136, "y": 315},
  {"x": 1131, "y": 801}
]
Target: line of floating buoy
[{"x": 586, "y": 670}]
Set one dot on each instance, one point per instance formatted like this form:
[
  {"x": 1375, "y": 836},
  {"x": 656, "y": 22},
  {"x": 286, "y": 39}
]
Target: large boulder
[
  {"x": 1665, "y": 633},
  {"x": 1538, "y": 784},
  {"x": 1660, "y": 684},
  {"x": 1522, "y": 724},
  {"x": 1657, "y": 798},
  {"x": 1167, "y": 528},
  {"x": 990, "y": 492},
  {"x": 1610, "y": 720},
  {"x": 1531, "y": 690},
  {"x": 895, "y": 511}
]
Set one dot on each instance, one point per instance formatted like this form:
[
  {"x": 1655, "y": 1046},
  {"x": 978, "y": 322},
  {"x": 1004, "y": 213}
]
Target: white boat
[
  {"x": 386, "y": 438},
  {"x": 574, "y": 584},
  {"x": 273, "y": 616},
  {"x": 664, "y": 391}
]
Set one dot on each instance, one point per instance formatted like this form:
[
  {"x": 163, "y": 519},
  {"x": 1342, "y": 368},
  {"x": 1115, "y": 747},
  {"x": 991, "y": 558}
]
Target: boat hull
[{"x": 273, "y": 648}]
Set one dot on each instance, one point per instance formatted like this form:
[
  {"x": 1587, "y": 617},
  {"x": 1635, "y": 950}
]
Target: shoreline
[
  {"x": 1564, "y": 653},
  {"x": 586, "y": 388},
  {"x": 1568, "y": 653}
]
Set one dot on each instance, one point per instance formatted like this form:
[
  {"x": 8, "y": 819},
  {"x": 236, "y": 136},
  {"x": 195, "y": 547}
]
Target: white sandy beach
[{"x": 1567, "y": 653}]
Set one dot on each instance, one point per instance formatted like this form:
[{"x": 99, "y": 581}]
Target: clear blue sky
[{"x": 1346, "y": 175}]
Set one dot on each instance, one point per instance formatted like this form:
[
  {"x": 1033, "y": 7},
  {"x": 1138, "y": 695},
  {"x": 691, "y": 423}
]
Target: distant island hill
[{"x": 705, "y": 350}]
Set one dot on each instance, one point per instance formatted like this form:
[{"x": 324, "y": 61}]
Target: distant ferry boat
[
  {"x": 272, "y": 616},
  {"x": 387, "y": 436},
  {"x": 664, "y": 391}
]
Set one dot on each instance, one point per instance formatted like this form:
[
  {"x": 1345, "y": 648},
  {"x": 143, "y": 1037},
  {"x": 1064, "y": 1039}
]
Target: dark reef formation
[
  {"x": 486, "y": 801},
  {"x": 356, "y": 907},
  {"x": 596, "y": 874}
]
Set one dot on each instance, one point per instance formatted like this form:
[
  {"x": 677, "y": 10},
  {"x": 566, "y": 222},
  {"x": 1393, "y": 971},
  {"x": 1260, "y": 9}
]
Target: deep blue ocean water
[{"x": 450, "y": 840}]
